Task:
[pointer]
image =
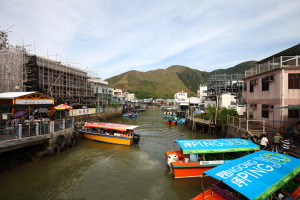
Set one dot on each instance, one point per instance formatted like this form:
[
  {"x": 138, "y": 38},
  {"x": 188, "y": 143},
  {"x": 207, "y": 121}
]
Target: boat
[
  {"x": 181, "y": 121},
  {"x": 130, "y": 115},
  {"x": 110, "y": 133},
  {"x": 196, "y": 156},
  {"x": 261, "y": 175}
]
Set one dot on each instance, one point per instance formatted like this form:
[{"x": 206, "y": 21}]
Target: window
[
  {"x": 293, "y": 113},
  {"x": 294, "y": 81},
  {"x": 265, "y": 111},
  {"x": 265, "y": 84},
  {"x": 252, "y": 83},
  {"x": 245, "y": 86}
]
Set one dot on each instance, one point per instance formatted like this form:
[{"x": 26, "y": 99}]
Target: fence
[
  {"x": 248, "y": 125},
  {"x": 34, "y": 129}
]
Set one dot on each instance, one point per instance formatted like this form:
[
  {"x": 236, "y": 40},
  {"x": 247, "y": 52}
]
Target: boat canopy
[
  {"x": 216, "y": 145},
  {"x": 257, "y": 175},
  {"x": 117, "y": 127}
]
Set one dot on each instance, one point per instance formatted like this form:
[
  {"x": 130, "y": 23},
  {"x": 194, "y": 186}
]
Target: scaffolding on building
[{"x": 22, "y": 71}]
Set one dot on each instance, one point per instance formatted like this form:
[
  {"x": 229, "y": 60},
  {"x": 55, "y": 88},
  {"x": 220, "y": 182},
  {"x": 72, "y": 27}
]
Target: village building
[
  {"x": 101, "y": 91},
  {"x": 272, "y": 89}
]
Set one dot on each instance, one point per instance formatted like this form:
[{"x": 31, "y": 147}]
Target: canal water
[{"x": 92, "y": 170}]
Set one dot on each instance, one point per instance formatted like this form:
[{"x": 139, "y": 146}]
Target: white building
[
  {"x": 202, "y": 91},
  {"x": 129, "y": 96},
  {"x": 180, "y": 96},
  {"x": 101, "y": 91}
]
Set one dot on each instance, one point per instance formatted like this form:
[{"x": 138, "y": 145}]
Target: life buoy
[
  {"x": 72, "y": 141},
  {"x": 64, "y": 146},
  {"x": 60, "y": 139},
  {"x": 54, "y": 150}
]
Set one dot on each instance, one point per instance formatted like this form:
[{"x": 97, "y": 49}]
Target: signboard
[
  {"x": 85, "y": 111},
  {"x": 216, "y": 145},
  {"x": 257, "y": 175},
  {"x": 34, "y": 101},
  {"x": 213, "y": 162}
]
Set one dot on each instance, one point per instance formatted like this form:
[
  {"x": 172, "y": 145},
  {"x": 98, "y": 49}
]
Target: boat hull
[
  {"x": 184, "y": 169},
  {"x": 108, "y": 138},
  {"x": 209, "y": 195}
]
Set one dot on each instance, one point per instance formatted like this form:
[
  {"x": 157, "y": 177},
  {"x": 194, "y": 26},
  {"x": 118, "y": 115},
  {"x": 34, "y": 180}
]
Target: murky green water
[{"x": 93, "y": 170}]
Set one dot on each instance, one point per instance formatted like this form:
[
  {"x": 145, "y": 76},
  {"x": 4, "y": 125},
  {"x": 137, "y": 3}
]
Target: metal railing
[
  {"x": 248, "y": 125},
  {"x": 34, "y": 129}
]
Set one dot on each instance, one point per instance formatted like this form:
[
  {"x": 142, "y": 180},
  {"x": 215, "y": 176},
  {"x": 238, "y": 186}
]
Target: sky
[{"x": 110, "y": 37}]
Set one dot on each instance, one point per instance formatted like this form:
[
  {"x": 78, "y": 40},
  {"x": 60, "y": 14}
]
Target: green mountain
[
  {"x": 159, "y": 83},
  {"x": 164, "y": 83}
]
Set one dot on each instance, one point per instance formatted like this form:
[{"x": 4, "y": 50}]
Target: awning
[
  {"x": 184, "y": 104},
  {"x": 216, "y": 145},
  {"x": 117, "y": 127},
  {"x": 257, "y": 175},
  {"x": 292, "y": 107},
  {"x": 62, "y": 107}
]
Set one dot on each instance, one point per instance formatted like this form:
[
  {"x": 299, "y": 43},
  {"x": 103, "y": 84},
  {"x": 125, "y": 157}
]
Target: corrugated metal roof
[
  {"x": 12, "y": 95},
  {"x": 293, "y": 51}
]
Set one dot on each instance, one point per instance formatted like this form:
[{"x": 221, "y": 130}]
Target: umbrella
[
  {"x": 18, "y": 114},
  {"x": 62, "y": 107}
]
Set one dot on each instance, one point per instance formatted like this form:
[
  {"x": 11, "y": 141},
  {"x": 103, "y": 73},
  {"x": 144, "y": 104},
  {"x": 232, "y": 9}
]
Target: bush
[{"x": 222, "y": 114}]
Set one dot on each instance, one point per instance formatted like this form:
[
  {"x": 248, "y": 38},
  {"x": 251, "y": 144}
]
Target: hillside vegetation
[{"x": 164, "y": 83}]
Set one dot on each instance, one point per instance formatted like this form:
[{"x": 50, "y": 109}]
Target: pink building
[{"x": 272, "y": 89}]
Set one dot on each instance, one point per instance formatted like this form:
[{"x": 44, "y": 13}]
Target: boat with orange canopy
[{"x": 122, "y": 134}]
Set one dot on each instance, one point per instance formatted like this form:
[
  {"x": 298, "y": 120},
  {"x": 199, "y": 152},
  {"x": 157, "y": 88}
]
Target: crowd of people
[{"x": 282, "y": 140}]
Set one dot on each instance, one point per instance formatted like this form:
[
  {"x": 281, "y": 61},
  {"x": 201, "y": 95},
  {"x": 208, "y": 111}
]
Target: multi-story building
[
  {"x": 272, "y": 88},
  {"x": 62, "y": 82},
  {"x": 21, "y": 71},
  {"x": 118, "y": 96},
  {"x": 101, "y": 91}
]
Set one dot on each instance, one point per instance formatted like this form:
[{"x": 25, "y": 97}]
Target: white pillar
[
  {"x": 37, "y": 129},
  {"x": 20, "y": 131}
]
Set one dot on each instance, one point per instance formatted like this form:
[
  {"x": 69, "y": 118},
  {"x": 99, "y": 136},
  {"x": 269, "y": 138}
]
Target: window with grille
[{"x": 294, "y": 81}]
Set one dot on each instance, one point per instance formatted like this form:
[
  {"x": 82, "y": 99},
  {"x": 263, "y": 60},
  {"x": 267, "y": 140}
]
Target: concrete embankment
[{"x": 54, "y": 142}]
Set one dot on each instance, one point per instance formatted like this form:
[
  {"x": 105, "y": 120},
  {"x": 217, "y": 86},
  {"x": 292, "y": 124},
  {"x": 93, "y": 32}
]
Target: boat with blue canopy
[
  {"x": 260, "y": 176},
  {"x": 196, "y": 156}
]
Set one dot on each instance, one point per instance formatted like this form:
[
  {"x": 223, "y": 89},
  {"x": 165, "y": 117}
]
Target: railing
[
  {"x": 249, "y": 125},
  {"x": 281, "y": 61},
  {"x": 34, "y": 129}
]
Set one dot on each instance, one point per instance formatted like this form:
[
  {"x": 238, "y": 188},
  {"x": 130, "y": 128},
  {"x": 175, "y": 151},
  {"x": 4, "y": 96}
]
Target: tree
[{"x": 222, "y": 114}]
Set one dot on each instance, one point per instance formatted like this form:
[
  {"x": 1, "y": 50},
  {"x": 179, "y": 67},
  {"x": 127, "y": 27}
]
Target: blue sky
[{"x": 114, "y": 36}]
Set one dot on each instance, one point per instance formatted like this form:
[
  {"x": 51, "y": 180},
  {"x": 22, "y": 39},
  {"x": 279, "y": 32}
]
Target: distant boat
[
  {"x": 110, "y": 133},
  {"x": 130, "y": 115},
  {"x": 181, "y": 121}
]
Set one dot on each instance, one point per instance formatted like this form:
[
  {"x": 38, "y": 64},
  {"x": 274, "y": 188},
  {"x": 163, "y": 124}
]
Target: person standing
[
  {"x": 277, "y": 142},
  {"x": 264, "y": 142},
  {"x": 295, "y": 133},
  {"x": 286, "y": 142}
]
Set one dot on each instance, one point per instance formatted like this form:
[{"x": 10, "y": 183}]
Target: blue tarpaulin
[
  {"x": 216, "y": 145},
  {"x": 257, "y": 175}
]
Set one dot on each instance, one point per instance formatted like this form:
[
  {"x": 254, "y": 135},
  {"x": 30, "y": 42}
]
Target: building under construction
[
  {"x": 225, "y": 83},
  {"x": 21, "y": 71}
]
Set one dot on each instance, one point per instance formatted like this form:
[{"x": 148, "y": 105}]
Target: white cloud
[{"x": 114, "y": 36}]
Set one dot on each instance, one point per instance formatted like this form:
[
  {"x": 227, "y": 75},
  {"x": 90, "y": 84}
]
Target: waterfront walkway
[{"x": 21, "y": 135}]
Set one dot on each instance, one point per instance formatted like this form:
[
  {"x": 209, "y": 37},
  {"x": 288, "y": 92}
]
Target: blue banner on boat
[
  {"x": 257, "y": 175},
  {"x": 216, "y": 145}
]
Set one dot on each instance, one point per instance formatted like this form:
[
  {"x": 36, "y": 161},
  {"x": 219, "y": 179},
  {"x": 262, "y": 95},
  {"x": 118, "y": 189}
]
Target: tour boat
[
  {"x": 261, "y": 175},
  {"x": 110, "y": 133},
  {"x": 199, "y": 155}
]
